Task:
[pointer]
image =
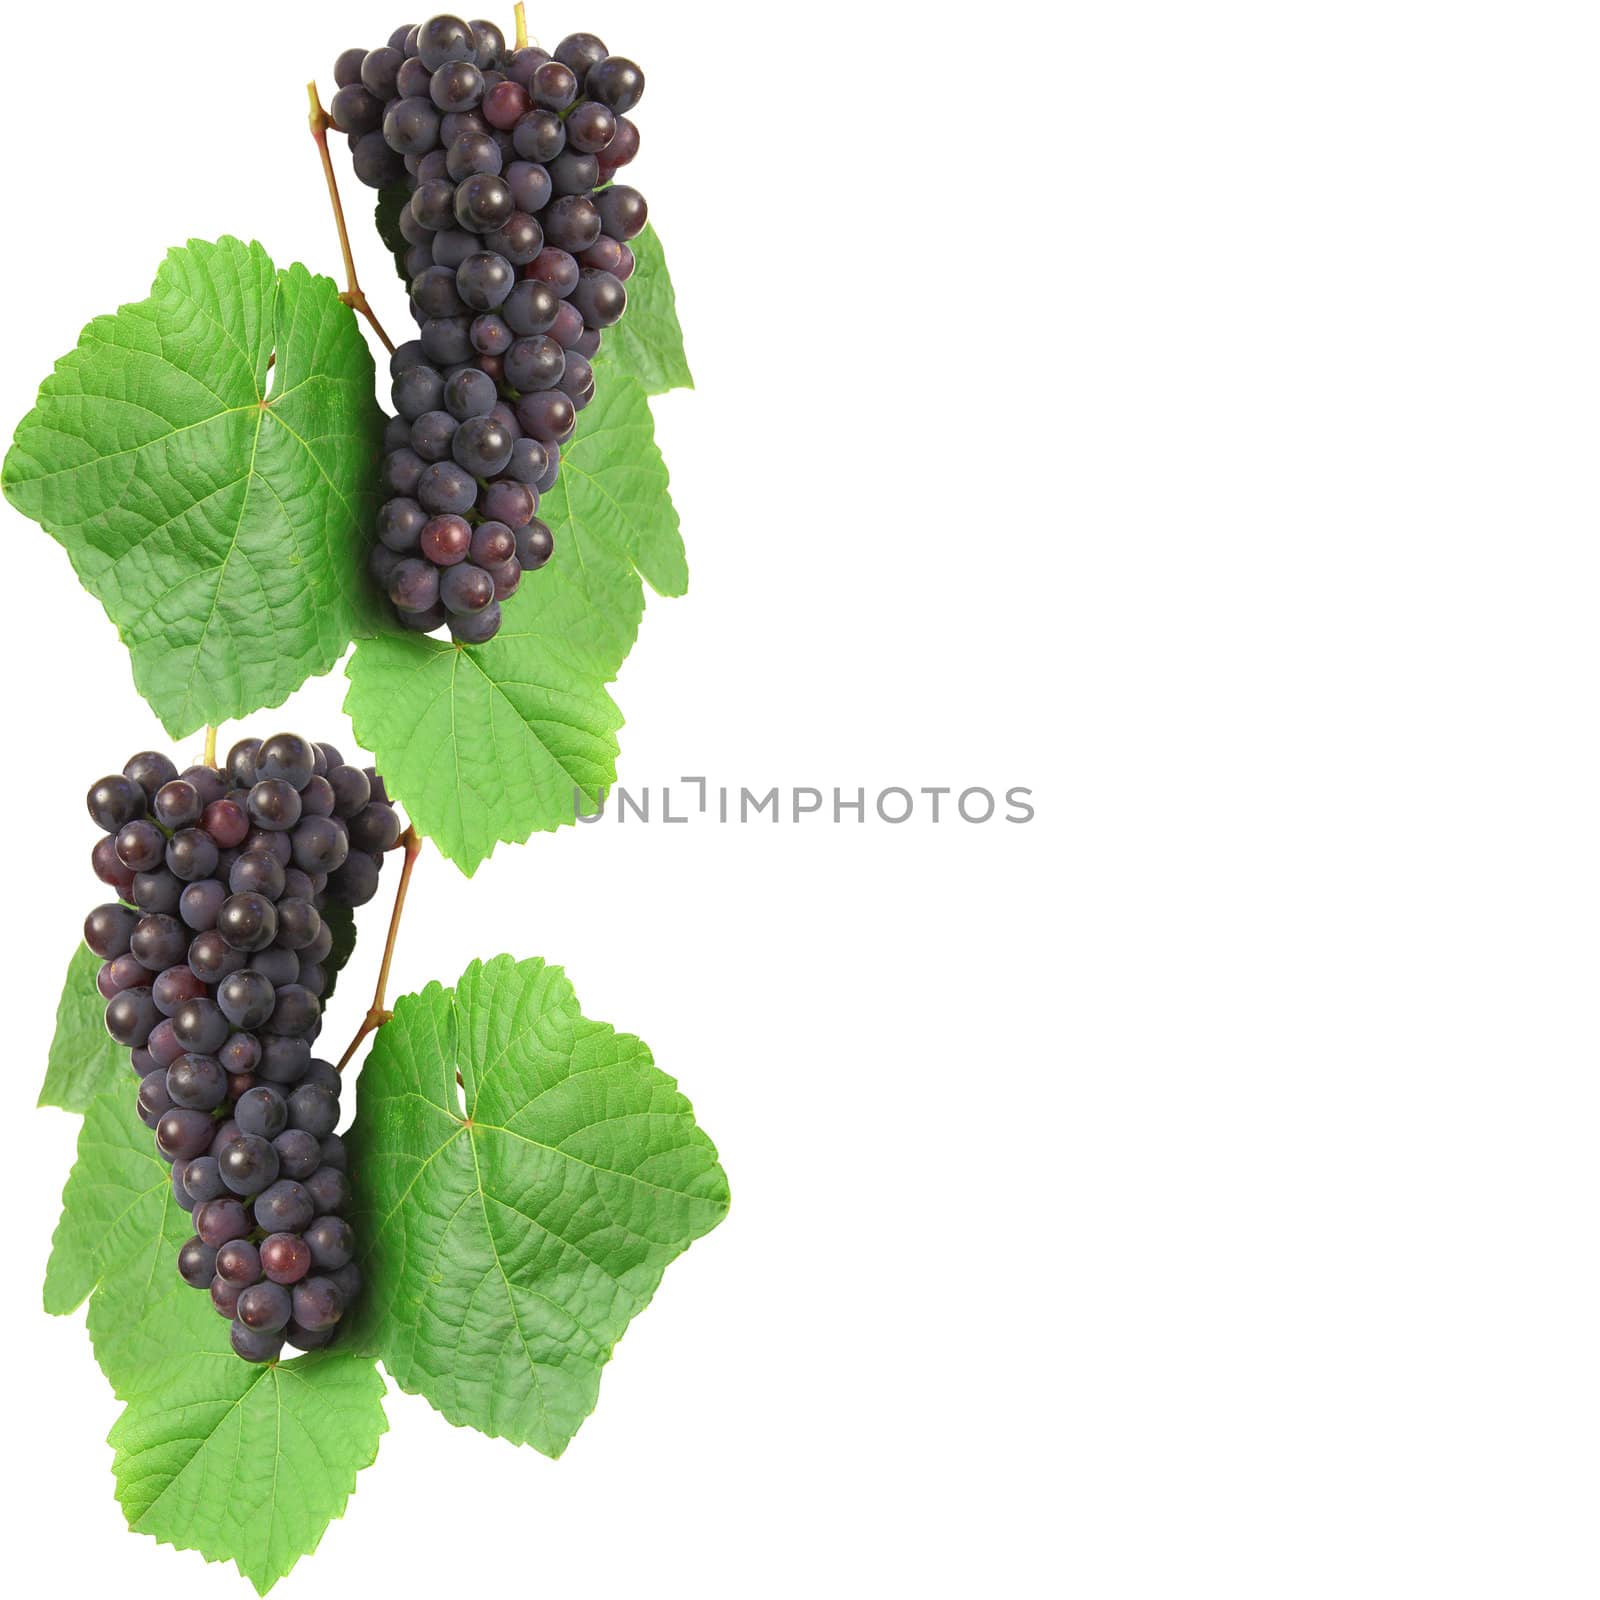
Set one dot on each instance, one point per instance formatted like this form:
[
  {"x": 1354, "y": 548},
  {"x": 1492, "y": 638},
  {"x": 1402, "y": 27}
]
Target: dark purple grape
[
  {"x": 130, "y": 1016},
  {"x": 174, "y": 986},
  {"x": 254, "y": 1344},
  {"x": 484, "y": 280},
  {"x": 197, "y": 1263},
  {"x": 535, "y": 545},
  {"x": 224, "y": 1297},
  {"x": 108, "y": 929},
  {"x": 600, "y": 298},
  {"x": 556, "y": 267},
  {"x": 554, "y": 86},
  {"x": 202, "y": 1179},
  {"x": 227, "y": 822},
  {"x": 477, "y": 627},
  {"x": 299, "y": 922},
  {"x": 547, "y": 415},
  {"x": 446, "y": 487},
  {"x": 399, "y": 522},
  {"x": 379, "y": 70},
  {"x": 248, "y": 921},
  {"x": 623, "y": 148},
  {"x": 469, "y": 394},
  {"x": 108, "y": 868},
  {"x": 157, "y": 891},
  {"x": 154, "y": 1101},
  {"x": 274, "y": 804},
  {"x": 577, "y": 381},
  {"x": 264, "y": 1307},
  {"x": 534, "y": 363},
  {"x": 431, "y": 434},
  {"x": 248, "y": 1165},
  {"x": 483, "y": 202},
  {"x": 330, "y": 1240},
  {"x": 531, "y": 307},
  {"x": 285, "y": 1207},
  {"x": 284, "y": 1060},
  {"x": 414, "y": 391},
  {"x": 574, "y": 173},
  {"x": 590, "y": 127},
  {"x": 490, "y": 336},
  {"x": 318, "y": 1304},
  {"x": 571, "y": 223},
  {"x": 453, "y": 247},
  {"x": 286, "y": 1257},
  {"x": 191, "y": 855},
  {"x": 238, "y": 1262},
  {"x": 506, "y": 576},
  {"x": 411, "y": 126},
  {"x": 314, "y": 1108},
  {"x": 506, "y": 104},
  {"x": 482, "y": 446},
  {"x": 492, "y": 543},
  {"x": 465, "y": 589},
  {"x": 529, "y": 462},
  {"x": 176, "y": 804},
  {"x": 199, "y": 1026},
  {"x": 355, "y": 883},
  {"x": 456, "y": 86},
  {"x": 540, "y": 136},
  {"x": 355, "y": 109},
  {"x": 615, "y": 82},
  {"x": 299, "y": 1152},
  {"x": 433, "y": 205},
  {"x": 182, "y": 1134},
  {"x": 375, "y": 164},
  {"x": 351, "y": 791},
  {"x": 445, "y": 38},
  {"x": 141, "y": 846},
  {"x": 198, "y": 1083},
  {"x": 211, "y": 956},
  {"x": 376, "y": 829},
  {"x": 347, "y": 69},
  {"x": 295, "y": 1013}
]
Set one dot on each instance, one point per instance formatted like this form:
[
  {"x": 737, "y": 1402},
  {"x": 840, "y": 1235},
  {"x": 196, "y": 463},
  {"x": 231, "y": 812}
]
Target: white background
[{"x": 1188, "y": 412}]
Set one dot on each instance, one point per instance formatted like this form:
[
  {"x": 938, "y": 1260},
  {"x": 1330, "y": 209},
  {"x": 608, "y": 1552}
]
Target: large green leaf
[
  {"x": 493, "y": 742},
  {"x": 242, "y": 1463},
  {"x": 648, "y": 342},
  {"x": 517, "y": 1225},
  {"x": 84, "y": 1058},
  {"x": 485, "y": 744},
  {"x": 207, "y": 458}
]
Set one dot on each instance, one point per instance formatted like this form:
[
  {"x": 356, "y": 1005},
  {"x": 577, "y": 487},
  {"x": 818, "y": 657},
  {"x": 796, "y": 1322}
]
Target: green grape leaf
[
  {"x": 239, "y": 1462},
  {"x": 515, "y": 1226},
  {"x": 207, "y": 458},
  {"x": 84, "y": 1058},
  {"x": 485, "y": 744},
  {"x": 390, "y": 202},
  {"x": 648, "y": 342},
  {"x": 248, "y": 1464},
  {"x": 492, "y": 743}
]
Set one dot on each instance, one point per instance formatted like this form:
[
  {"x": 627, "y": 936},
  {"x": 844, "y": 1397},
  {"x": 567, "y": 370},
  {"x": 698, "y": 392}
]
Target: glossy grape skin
[
  {"x": 330, "y": 1242},
  {"x": 535, "y": 546},
  {"x": 182, "y": 1134},
  {"x": 238, "y": 1262},
  {"x": 477, "y": 627},
  {"x": 414, "y": 585},
  {"x": 264, "y": 1307},
  {"x": 251, "y": 1344},
  {"x": 615, "y": 82},
  {"x": 314, "y": 1108},
  {"x": 284, "y": 1207},
  {"x": 540, "y": 136},
  {"x": 262, "y": 1112},
  {"x": 286, "y": 1257},
  {"x": 318, "y": 1304},
  {"x": 445, "y": 38},
  {"x": 198, "y": 1083},
  {"x": 248, "y": 1165},
  {"x": 197, "y": 1263},
  {"x": 591, "y": 127}
]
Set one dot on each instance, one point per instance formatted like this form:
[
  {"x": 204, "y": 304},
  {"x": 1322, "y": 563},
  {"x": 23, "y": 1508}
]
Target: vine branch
[
  {"x": 377, "y": 1015},
  {"x": 352, "y": 295}
]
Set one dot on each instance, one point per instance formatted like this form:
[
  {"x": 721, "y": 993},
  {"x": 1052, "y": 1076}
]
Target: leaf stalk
[
  {"x": 353, "y": 296},
  {"x": 378, "y": 1014}
]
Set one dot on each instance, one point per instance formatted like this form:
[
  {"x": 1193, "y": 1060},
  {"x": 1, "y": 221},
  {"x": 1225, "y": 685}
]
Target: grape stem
[
  {"x": 411, "y": 843},
  {"x": 521, "y": 15},
  {"x": 353, "y": 295},
  {"x": 209, "y": 759}
]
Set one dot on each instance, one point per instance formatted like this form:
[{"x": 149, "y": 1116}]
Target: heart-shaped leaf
[
  {"x": 516, "y": 1227},
  {"x": 207, "y": 458}
]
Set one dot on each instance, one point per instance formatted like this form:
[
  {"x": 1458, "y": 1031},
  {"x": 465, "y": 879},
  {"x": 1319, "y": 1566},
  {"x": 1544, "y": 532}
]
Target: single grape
[
  {"x": 528, "y": 464},
  {"x": 248, "y": 1165},
  {"x": 416, "y": 390},
  {"x": 491, "y": 42},
  {"x": 477, "y": 627},
  {"x": 108, "y": 930},
  {"x": 318, "y": 1304},
  {"x": 238, "y": 1262},
  {"x": 414, "y": 585},
  {"x": 254, "y": 1344},
  {"x": 198, "y": 1083},
  {"x": 505, "y": 105},
  {"x": 484, "y": 280},
  {"x": 320, "y": 845},
  {"x": 469, "y": 394},
  {"x": 492, "y": 543},
  {"x": 456, "y": 86},
  {"x": 314, "y": 1108},
  {"x": 285, "y": 1207},
  {"x": 274, "y": 804},
  {"x": 295, "y": 1013},
  {"x": 141, "y": 845},
  {"x": 615, "y": 82},
  {"x": 413, "y": 79},
  {"x": 490, "y": 336},
  {"x": 264, "y": 1307},
  {"x": 590, "y": 127},
  {"x": 375, "y": 164},
  {"x": 176, "y": 804},
  {"x": 183, "y": 1133},
  {"x": 482, "y": 447},
  {"x": 356, "y": 882},
  {"x": 534, "y": 363},
  {"x": 574, "y": 173},
  {"x": 483, "y": 202},
  {"x": 199, "y": 1025},
  {"x": 284, "y": 1060},
  {"x": 330, "y": 1240},
  {"x": 506, "y": 576},
  {"x": 224, "y": 1297},
  {"x": 299, "y": 922},
  {"x": 227, "y": 823},
  {"x": 535, "y": 546},
  {"x": 154, "y": 1101},
  {"x": 157, "y": 891},
  {"x": 347, "y": 69},
  {"x": 445, "y": 38},
  {"x": 202, "y": 1179},
  {"x": 130, "y": 1016},
  {"x": 286, "y": 1257},
  {"x": 540, "y": 136},
  {"x": 547, "y": 415},
  {"x": 173, "y": 986},
  {"x": 472, "y": 152},
  {"x": 191, "y": 855},
  {"x": 211, "y": 956},
  {"x": 531, "y": 307},
  {"x": 299, "y": 1152},
  {"x": 557, "y": 267},
  {"x": 447, "y": 488},
  {"x": 197, "y": 1262},
  {"x": 453, "y": 247},
  {"x": 554, "y": 86},
  {"x": 411, "y": 126},
  {"x": 108, "y": 868},
  {"x": 431, "y": 434},
  {"x": 355, "y": 109},
  {"x": 466, "y": 589},
  {"x": 623, "y": 148},
  {"x": 248, "y": 921},
  {"x": 571, "y": 223}
]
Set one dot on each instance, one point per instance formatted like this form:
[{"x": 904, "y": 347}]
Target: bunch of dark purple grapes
[
  {"x": 216, "y": 954},
  {"x": 518, "y": 253}
]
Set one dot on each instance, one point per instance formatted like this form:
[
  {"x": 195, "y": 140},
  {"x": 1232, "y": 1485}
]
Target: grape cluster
[
  {"x": 518, "y": 253},
  {"x": 214, "y": 961}
]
